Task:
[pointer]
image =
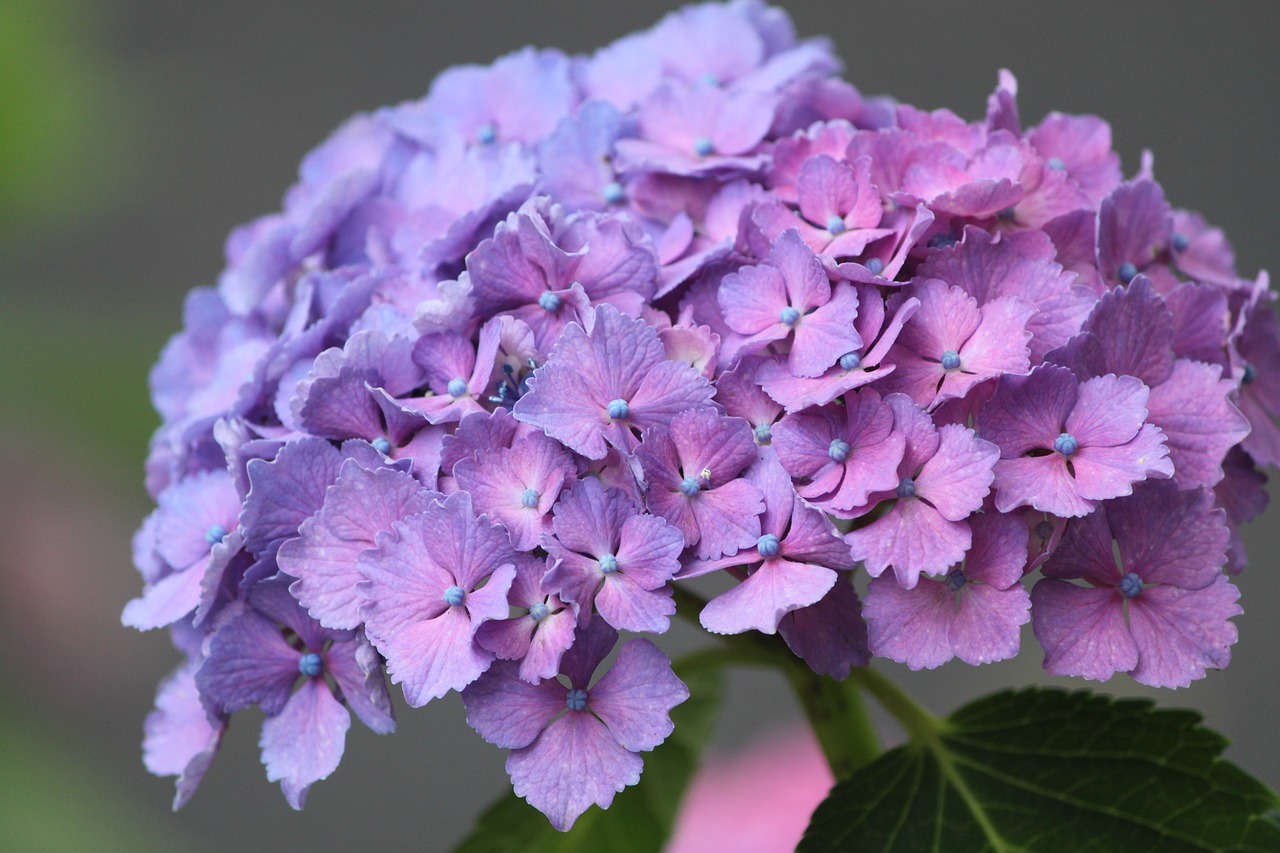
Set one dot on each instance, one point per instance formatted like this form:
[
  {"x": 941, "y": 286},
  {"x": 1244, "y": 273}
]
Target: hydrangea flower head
[{"x": 521, "y": 358}]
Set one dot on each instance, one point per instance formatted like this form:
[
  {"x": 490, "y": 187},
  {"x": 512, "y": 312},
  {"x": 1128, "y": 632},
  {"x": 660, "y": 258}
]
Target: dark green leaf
[
  {"x": 1046, "y": 770},
  {"x": 641, "y": 817}
]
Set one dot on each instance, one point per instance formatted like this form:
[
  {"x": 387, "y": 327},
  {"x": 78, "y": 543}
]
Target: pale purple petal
[
  {"x": 179, "y": 740},
  {"x": 913, "y": 538},
  {"x": 303, "y": 743},
  {"x": 635, "y": 697},
  {"x": 509, "y": 712},
  {"x": 758, "y": 603},
  {"x": 830, "y": 636},
  {"x": 358, "y": 506}
]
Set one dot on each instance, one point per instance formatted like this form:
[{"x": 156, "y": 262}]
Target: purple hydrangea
[{"x": 522, "y": 357}]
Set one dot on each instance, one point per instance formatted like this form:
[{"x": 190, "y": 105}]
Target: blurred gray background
[{"x": 135, "y": 133}]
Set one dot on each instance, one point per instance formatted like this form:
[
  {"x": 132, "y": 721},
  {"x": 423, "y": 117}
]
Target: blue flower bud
[
  {"x": 839, "y": 449},
  {"x": 457, "y": 387},
  {"x": 1066, "y": 444},
  {"x": 381, "y": 445},
  {"x": 789, "y": 315},
  {"x": 311, "y": 665},
  {"x": 768, "y": 545},
  {"x": 1131, "y": 585},
  {"x": 539, "y": 612},
  {"x": 608, "y": 564},
  {"x": 907, "y": 488},
  {"x": 835, "y": 225},
  {"x": 575, "y": 700},
  {"x": 1126, "y": 272},
  {"x": 215, "y": 534},
  {"x": 529, "y": 498},
  {"x": 614, "y": 193},
  {"x": 875, "y": 266},
  {"x": 764, "y": 433},
  {"x": 955, "y": 580},
  {"x": 1056, "y": 163},
  {"x": 454, "y": 595},
  {"x": 486, "y": 134},
  {"x": 850, "y": 361},
  {"x": 703, "y": 146},
  {"x": 618, "y": 409},
  {"x": 690, "y": 486},
  {"x": 950, "y": 360},
  {"x": 549, "y": 301},
  {"x": 1180, "y": 241}
]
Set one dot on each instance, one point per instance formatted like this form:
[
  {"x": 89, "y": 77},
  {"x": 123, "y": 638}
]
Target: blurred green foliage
[{"x": 66, "y": 113}]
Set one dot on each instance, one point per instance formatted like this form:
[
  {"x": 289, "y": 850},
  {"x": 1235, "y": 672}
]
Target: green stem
[
  {"x": 839, "y": 718},
  {"x": 919, "y": 723},
  {"x": 835, "y": 709}
]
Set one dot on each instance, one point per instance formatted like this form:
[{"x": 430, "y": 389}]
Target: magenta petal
[
  {"x": 303, "y": 743},
  {"x": 433, "y": 656},
  {"x": 508, "y": 712},
  {"x": 987, "y": 622},
  {"x": 727, "y": 518},
  {"x": 1109, "y": 410},
  {"x": 1170, "y": 536},
  {"x": 248, "y": 662},
  {"x": 958, "y": 476},
  {"x": 627, "y": 607},
  {"x": 827, "y": 333},
  {"x": 913, "y": 538},
  {"x": 649, "y": 551},
  {"x": 553, "y": 637},
  {"x": 1194, "y": 411},
  {"x": 751, "y": 299},
  {"x": 574, "y": 764},
  {"x": 1082, "y": 630},
  {"x": 1041, "y": 482},
  {"x": 1181, "y": 633},
  {"x": 635, "y": 697},
  {"x": 357, "y": 670},
  {"x": 769, "y": 593},
  {"x": 1109, "y": 472},
  {"x": 910, "y": 626}
]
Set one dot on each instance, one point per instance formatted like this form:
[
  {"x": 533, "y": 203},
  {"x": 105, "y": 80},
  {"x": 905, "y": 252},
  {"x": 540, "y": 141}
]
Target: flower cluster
[{"x": 520, "y": 357}]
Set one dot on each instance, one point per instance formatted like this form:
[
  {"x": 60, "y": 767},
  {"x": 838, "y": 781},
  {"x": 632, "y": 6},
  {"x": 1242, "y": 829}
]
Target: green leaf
[
  {"x": 641, "y": 817},
  {"x": 1046, "y": 770}
]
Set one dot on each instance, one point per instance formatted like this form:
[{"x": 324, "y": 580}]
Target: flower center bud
[
  {"x": 1005, "y": 214},
  {"x": 1250, "y": 374},
  {"x": 950, "y": 360},
  {"x": 1180, "y": 241},
  {"x": 907, "y": 488},
  {"x": 708, "y": 79},
  {"x": 1044, "y": 530},
  {"x": 875, "y": 266},
  {"x": 850, "y": 361},
  {"x": 703, "y": 146},
  {"x": 942, "y": 241},
  {"x": 454, "y": 595},
  {"x": 1056, "y": 163},
  {"x": 608, "y": 564},
  {"x": 764, "y": 433},
  {"x": 381, "y": 445},
  {"x": 548, "y": 301},
  {"x": 1126, "y": 272},
  {"x": 539, "y": 612},
  {"x": 457, "y": 387},
  {"x": 835, "y": 225},
  {"x": 486, "y": 134},
  {"x": 529, "y": 498},
  {"x": 613, "y": 193},
  {"x": 768, "y": 545},
  {"x": 618, "y": 409},
  {"x": 839, "y": 449},
  {"x": 789, "y": 315},
  {"x": 690, "y": 486},
  {"x": 311, "y": 665},
  {"x": 1066, "y": 444},
  {"x": 576, "y": 700},
  {"x": 215, "y": 534},
  {"x": 956, "y": 579},
  {"x": 1131, "y": 585}
]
